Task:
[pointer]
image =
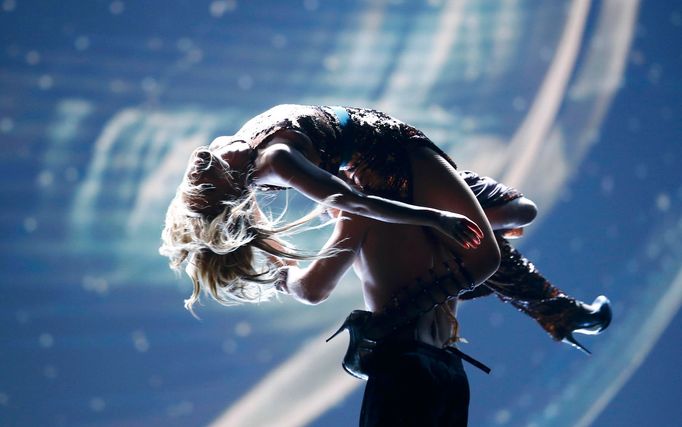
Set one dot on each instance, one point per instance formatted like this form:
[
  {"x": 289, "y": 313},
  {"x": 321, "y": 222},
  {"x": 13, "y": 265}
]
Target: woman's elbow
[
  {"x": 310, "y": 295},
  {"x": 317, "y": 298},
  {"x": 354, "y": 202},
  {"x": 312, "y": 299}
]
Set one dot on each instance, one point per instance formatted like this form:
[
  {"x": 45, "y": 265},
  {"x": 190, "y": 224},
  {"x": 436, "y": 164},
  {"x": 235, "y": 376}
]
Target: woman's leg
[
  {"x": 436, "y": 183},
  {"x": 520, "y": 284},
  {"x": 512, "y": 277},
  {"x": 517, "y": 281},
  {"x": 505, "y": 207}
]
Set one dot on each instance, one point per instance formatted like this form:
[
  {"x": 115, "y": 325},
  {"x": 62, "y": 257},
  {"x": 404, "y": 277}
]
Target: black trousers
[{"x": 415, "y": 384}]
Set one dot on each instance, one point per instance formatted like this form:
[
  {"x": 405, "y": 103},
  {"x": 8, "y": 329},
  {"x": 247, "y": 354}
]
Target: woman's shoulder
[
  {"x": 314, "y": 122},
  {"x": 284, "y": 111},
  {"x": 282, "y": 116},
  {"x": 280, "y": 109}
]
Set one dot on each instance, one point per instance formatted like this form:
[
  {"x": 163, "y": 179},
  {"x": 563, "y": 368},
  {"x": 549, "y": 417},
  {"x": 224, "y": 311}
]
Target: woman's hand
[
  {"x": 282, "y": 282},
  {"x": 460, "y": 228}
]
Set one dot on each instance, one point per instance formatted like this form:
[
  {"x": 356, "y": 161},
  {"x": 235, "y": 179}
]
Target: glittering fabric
[
  {"x": 519, "y": 283},
  {"x": 378, "y": 164},
  {"x": 317, "y": 123}
]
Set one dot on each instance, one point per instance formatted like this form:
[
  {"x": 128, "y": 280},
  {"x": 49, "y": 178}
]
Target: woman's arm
[
  {"x": 282, "y": 165},
  {"x": 314, "y": 283}
]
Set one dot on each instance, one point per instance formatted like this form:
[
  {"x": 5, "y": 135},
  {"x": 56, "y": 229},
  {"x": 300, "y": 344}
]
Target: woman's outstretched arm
[
  {"x": 314, "y": 283},
  {"x": 279, "y": 164}
]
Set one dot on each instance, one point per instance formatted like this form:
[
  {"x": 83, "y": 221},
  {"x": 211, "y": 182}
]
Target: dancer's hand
[
  {"x": 282, "y": 282},
  {"x": 460, "y": 228}
]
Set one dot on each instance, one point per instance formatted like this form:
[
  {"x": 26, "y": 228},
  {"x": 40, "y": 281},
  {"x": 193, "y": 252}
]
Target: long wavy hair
[{"x": 230, "y": 249}]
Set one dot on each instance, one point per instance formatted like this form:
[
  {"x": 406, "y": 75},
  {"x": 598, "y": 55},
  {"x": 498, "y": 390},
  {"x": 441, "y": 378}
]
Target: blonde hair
[{"x": 232, "y": 254}]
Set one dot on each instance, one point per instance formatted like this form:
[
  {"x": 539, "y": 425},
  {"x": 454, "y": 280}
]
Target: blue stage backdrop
[{"x": 577, "y": 103}]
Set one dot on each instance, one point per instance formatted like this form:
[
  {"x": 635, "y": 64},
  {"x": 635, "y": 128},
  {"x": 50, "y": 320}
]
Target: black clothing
[{"x": 415, "y": 384}]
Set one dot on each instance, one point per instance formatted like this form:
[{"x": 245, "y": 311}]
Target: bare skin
[{"x": 383, "y": 240}]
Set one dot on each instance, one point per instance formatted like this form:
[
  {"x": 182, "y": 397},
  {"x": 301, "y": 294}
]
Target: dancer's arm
[
  {"x": 314, "y": 283},
  {"x": 282, "y": 165}
]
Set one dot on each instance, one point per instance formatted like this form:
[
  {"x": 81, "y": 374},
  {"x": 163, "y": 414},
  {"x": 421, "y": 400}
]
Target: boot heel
[
  {"x": 343, "y": 327},
  {"x": 570, "y": 339}
]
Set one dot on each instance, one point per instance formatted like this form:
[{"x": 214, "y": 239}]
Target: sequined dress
[{"x": 375, "y": 161}]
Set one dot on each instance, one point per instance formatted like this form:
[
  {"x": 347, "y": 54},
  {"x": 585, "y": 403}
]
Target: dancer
[
  {"x": 359, "y": 161},
  {"x": 415, "y": 377}
]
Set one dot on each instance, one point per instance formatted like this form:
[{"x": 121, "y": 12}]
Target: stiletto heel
[
  {"x": 570, "y": 339},
  {"x": 341, "y": 329}
]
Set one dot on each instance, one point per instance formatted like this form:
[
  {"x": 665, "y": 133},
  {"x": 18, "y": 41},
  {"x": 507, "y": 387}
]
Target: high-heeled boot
[
  {"x": 519, "y": 283},
  {"x": 356, "y": 359},
  {"x": 563, "y": 316}
]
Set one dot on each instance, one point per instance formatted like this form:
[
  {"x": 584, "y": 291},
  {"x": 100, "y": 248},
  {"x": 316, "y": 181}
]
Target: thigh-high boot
[{"x": 520, "y": 284}]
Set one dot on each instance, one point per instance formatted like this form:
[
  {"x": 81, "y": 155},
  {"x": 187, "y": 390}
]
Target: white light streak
[{"x": 296, "y": 392}]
